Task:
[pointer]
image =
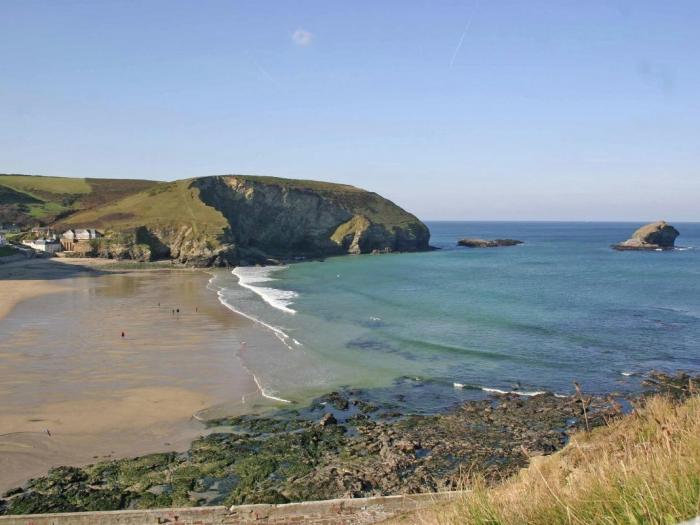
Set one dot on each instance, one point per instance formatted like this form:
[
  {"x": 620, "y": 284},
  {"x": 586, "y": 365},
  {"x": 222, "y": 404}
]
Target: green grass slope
[
  {"x": 33, "y": 199},
  {"x": 165, "y": 205}
]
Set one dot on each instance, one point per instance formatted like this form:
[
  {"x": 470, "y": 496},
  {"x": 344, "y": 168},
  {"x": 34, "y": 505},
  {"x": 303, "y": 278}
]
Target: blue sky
[{"x": 560, "y": 110}]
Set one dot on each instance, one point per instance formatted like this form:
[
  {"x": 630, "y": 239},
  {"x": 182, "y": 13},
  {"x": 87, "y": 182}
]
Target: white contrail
[{"x": 461, "y": 39}]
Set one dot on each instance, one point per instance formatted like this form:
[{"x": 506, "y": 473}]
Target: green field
[
  {"x": 37, "y": 185},
  {"x": 30, "y": 200},
  {"x": 166, "y": 204}
]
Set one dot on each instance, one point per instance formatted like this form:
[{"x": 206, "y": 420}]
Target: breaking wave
[{"x": 250, "y": 277}]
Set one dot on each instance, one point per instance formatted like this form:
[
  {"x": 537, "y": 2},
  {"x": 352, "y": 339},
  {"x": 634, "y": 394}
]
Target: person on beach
[{"x": 122, "y": 335}]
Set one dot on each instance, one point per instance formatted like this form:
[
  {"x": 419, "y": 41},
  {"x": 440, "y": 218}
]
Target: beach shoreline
[{"x": 89, "y": 394}]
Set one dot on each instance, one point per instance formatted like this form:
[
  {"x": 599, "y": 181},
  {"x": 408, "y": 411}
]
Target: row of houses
[{"x": 68, "y": 241}]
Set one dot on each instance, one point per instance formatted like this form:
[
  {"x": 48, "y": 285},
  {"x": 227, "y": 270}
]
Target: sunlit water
[{"x": 562, "y": 307}]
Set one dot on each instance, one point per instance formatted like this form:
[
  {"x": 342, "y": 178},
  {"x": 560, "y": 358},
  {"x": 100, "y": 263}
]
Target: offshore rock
[
  {"x": 655, "y": 236},
  {"x": 483, "y": 243}
]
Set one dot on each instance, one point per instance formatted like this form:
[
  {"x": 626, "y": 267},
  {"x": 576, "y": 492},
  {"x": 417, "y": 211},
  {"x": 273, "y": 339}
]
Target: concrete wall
[{"x": 360, "y": 511}]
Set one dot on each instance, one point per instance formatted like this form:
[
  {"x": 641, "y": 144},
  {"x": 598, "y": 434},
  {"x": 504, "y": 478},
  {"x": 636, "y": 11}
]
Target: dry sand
[{"x": 74, "y": 391}]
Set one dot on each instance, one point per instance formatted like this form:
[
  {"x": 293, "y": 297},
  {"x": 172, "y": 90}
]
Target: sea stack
[
  {"x": 484, "y": 243},
  {"x": 655, "y": 236}
]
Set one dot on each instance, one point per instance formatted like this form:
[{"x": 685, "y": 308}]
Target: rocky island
[
  {"x": 483, "y": 243},
  {"x": 655, "y": 236}
]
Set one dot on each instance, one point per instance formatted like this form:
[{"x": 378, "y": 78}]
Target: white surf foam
[
  {"x": 267, "y": 395},
  {"x": 527, "y": 393},
  {"x": 250, "y": 277},
  {"x": 279, "y": 333},
  {"x": 517, "y": 392}
]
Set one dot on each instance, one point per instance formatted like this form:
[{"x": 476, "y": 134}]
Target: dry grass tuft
[{"x": 640, "y": 469}]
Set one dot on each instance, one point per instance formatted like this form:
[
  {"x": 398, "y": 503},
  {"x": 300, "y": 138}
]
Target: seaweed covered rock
[{"x": 337, "y": 447}]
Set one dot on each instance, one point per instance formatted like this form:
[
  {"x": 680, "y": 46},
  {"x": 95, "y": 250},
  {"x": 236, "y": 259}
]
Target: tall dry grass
[{"x": 640, "y": 469}]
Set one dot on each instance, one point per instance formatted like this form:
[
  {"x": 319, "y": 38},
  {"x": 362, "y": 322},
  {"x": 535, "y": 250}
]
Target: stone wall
[{"x": 360, "y": 511}]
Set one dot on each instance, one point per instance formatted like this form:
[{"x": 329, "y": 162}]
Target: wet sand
[
  {"x": 74, "y": 390},
  {"x": 17, "y": 282}
]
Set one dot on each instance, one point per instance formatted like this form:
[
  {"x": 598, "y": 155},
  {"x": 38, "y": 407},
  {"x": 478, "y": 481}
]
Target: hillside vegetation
[
  {"x": 228, "y": 219},
  {"x": 36, "y": 200},
  {"x": 641, "y": 469}
]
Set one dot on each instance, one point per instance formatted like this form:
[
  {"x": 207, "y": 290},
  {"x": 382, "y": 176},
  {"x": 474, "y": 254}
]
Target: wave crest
[{"x": 250, "y": 277}]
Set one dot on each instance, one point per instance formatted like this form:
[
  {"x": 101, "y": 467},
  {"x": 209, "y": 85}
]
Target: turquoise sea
[{"x": 560, "y": 308}]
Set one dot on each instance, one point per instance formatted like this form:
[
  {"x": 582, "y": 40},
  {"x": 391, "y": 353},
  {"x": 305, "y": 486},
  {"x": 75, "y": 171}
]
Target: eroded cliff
[{"x": 233, "y": 219}]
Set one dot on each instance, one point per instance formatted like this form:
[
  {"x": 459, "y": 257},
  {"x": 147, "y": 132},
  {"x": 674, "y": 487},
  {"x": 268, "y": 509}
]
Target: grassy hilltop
[
  {"x": 33, "y": 199},
  {"x": 215, "y": 220}
]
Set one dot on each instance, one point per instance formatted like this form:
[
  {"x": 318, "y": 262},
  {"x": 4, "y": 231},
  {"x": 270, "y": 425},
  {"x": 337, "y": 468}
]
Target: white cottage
[{"x": 44, "y": 245}]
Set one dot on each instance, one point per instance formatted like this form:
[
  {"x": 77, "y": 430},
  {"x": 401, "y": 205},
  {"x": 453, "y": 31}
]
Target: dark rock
[
  {"x": 273, "y": 460},
  {"x": 13, "y": 492},
  {"x": 328, "y": 419},
  {"x": 338, "y": 400},
  {"x": 483, "y": 243},
  {"x": 654, "y": 236}
]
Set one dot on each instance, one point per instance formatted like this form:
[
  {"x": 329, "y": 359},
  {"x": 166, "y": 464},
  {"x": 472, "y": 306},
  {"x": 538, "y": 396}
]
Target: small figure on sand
[
  {"x": 123, "y": 335},
  {"x": 48, "y": 432}
]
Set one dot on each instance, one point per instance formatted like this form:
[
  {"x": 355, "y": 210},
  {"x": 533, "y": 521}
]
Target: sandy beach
[
  {"x": 17, "y": 282},
  {"x": 74, "y": 390}
]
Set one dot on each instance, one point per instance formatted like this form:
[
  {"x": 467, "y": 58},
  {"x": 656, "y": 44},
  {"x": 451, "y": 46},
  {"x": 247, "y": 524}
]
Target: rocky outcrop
[
  {"x": 655, "y": 236},
  {"x": 483, "y": 243},
  {"x": 279, "y": 218},
  {"x": 234, "y": 219},
  {"x": 340, "y": 446}
]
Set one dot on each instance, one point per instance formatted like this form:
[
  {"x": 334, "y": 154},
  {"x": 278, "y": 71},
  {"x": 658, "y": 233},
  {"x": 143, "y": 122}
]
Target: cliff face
[
  {"x": 244, "y": 220},
  {"x": 293, "y": 218}
]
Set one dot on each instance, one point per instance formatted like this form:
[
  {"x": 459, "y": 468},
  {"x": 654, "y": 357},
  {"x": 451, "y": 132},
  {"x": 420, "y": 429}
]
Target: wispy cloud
[
  {"x": 302, "y": 38},
  {"x": 464, "y": 34}
]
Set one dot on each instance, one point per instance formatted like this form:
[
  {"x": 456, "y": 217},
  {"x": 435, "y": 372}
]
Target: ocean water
[{"x": 560, "y": 308}]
